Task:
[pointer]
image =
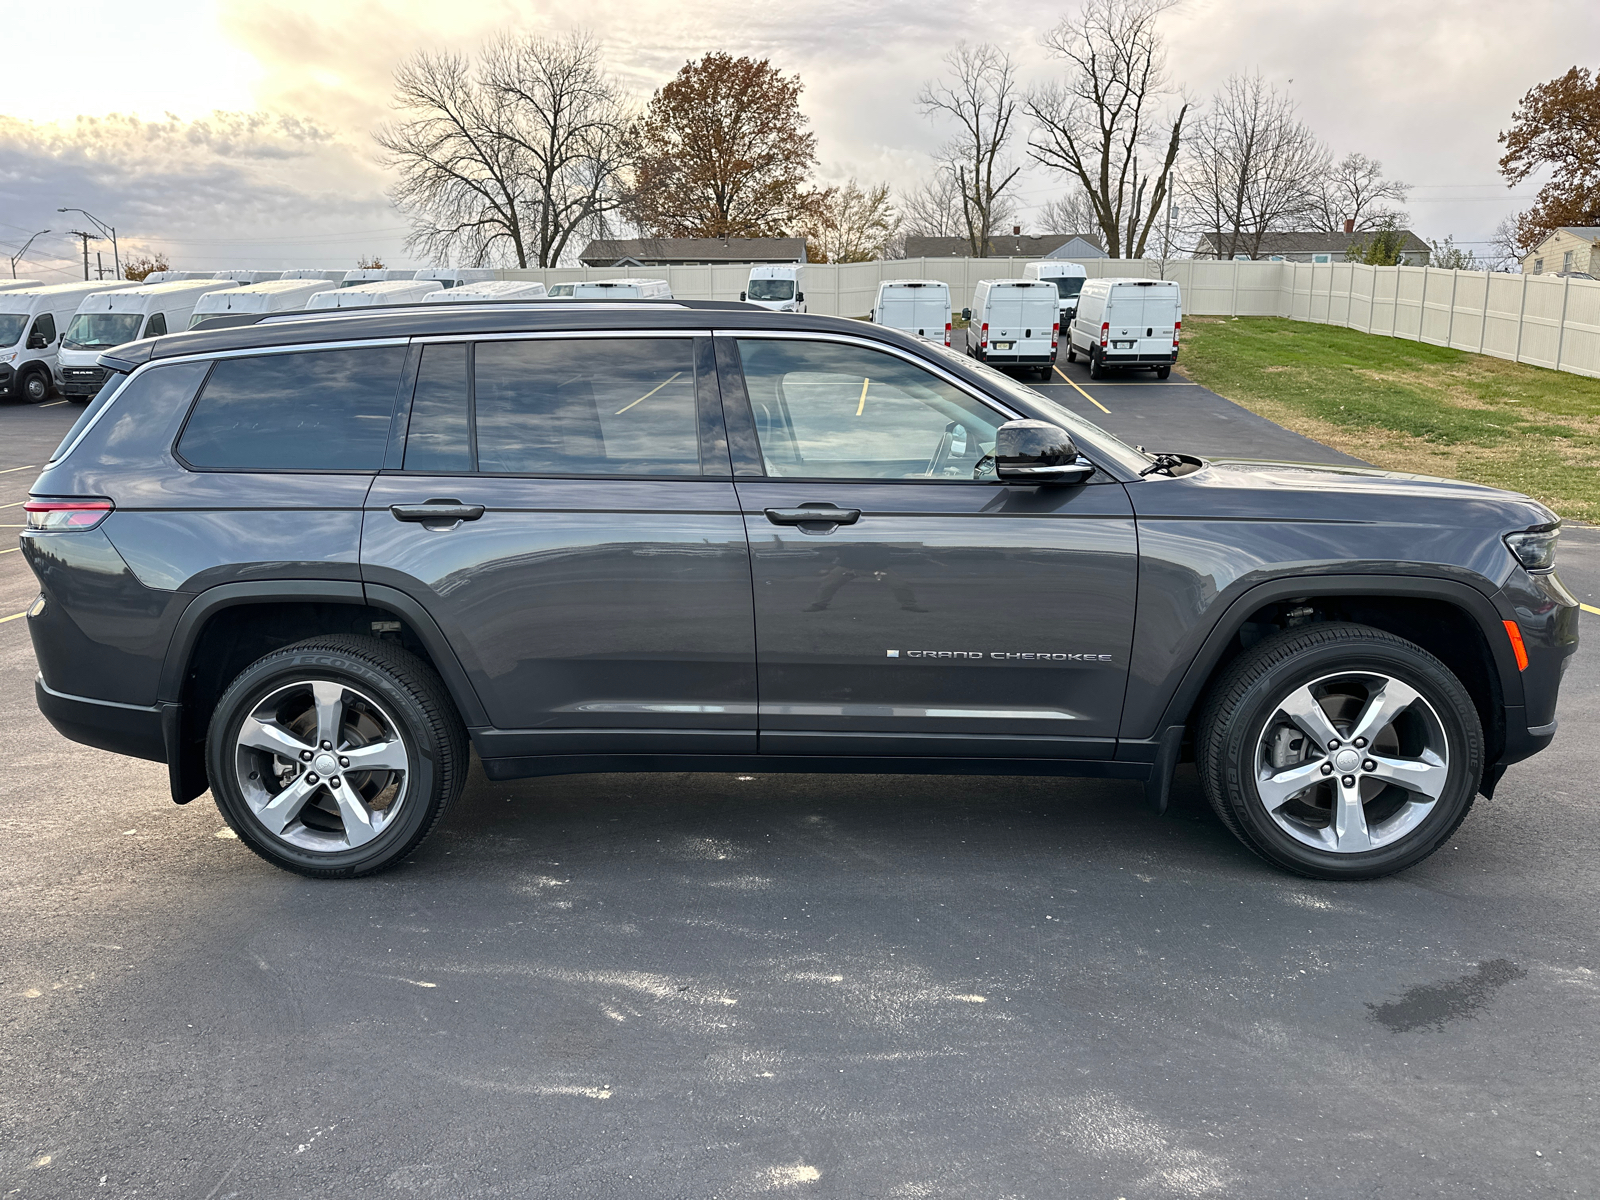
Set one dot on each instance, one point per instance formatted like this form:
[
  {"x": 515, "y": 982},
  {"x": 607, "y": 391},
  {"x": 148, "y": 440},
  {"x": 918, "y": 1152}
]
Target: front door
[
  {"x": 565, "y": 513},
  {"x": 907, "y": 603}
]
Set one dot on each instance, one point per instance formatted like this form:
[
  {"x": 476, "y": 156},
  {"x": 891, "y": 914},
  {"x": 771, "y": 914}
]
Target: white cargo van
[
  {"x": 454, "y": 277},
  {"x": 243, "y": 275},
  {"x": 1014, "y": 323},
  {"x": 107, "y": 319},
  {"x": 1069, "y": 278},
  {"x": 1127, "y": 323},
  {"x": 776, "y": 287},
  {"x": 376, "y": 275},
  {"x": 276, "y": 295},
  {"x": 920, "y": 307},
  {"x": 12, "y": 285},
  {"x": 332, "y": 275},
  {"x": 32, "y": 323},
  {"x": 491, "y": 289},
  {"x": 622, "y": 289},
  {"x": 170, "y": 276},
  {"x": 381, "y": 291}
]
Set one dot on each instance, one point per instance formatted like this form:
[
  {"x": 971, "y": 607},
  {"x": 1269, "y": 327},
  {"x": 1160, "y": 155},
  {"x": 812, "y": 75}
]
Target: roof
[
  {"x": 1318, "y": 242},
  {"x": 1589, "y": 233},
  {"x": 606, "y": 252},
  {"x": 1027, "y": 245}
]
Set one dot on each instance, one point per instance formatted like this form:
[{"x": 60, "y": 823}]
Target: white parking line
[
  {"x": 23, "y": 467},
  {"x": 52, "y": 404}
]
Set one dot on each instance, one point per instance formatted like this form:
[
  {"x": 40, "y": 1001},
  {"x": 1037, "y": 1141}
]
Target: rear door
[
  {"x": 1005, "y": 319},
  {"x": 563, "y": 508},
  {"x": 905, "y": 602}
]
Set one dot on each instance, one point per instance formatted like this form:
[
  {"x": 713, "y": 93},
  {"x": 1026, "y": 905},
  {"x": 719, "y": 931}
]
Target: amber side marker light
[{"x": 1515, "y": 634}]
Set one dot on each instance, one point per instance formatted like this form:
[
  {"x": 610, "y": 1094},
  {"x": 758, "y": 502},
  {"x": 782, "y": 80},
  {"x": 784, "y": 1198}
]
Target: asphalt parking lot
[{"x": 725, "y": 986}]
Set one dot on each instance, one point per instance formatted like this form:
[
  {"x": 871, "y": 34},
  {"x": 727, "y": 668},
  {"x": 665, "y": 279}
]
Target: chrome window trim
[
  {"x": 433, "y": 339},
  {"x": 293, "y": 348},
  {"x": 480, "y": 307}
]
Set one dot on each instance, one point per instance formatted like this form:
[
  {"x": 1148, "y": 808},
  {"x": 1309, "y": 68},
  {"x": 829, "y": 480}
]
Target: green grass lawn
[{"x": 1410, "y": 407}]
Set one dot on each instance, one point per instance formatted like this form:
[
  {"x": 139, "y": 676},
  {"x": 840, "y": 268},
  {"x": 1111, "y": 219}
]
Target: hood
[{"x": 1237, "y": 487}]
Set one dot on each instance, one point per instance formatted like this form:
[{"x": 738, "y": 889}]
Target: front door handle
[
  {"x": 817, "y": 514},
  {"x": 437, "y": 512}
]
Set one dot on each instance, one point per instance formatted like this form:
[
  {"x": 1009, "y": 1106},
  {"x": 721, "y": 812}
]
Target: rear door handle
[
  {"x": 437, "y": 512},
  {"x": 820, "y": 514}
]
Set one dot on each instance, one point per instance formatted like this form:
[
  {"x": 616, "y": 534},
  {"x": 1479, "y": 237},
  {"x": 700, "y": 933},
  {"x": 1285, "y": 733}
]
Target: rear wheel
[
  {"x": 36, "y": 387},
  {"x": 335, "y": 757},
  {"x": 1340, "y": 752},
  {"x": 1163, "y": 372},
  {"x": 1096, "y": 371}
]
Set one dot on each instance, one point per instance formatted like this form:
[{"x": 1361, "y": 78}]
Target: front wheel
[
  {"x": 335, "y": 757},
  {"x": 36, "y": 387},
  {"x": 1072, "y": 355},
  {"x": 1340, "y": 751}
]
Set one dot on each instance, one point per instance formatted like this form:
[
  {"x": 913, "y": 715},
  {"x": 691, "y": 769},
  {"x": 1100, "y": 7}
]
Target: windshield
[
  {"x": 11, "y": 327},
  {"x": 1107, "y": 443},
  {"x": 1068, "y": 285},
  {"x": 94, "y": 331},
  {"x": 771, "y": 289}
]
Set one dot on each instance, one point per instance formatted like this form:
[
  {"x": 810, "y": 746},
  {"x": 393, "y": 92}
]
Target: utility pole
[
  {"x": 99, "y": 266},
  {"x": 106, "y": 231},
  {"x": 78, "y": 233},
  {"x": 15, "y": 258}
]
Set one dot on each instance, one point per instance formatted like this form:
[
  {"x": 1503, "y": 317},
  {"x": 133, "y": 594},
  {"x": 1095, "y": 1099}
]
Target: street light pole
[
  {"x": 109, "y": 231},
  {"x": 15, "y": 258}
]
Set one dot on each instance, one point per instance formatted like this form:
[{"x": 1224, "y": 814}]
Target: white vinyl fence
[{"x": 1542, "y": 320}]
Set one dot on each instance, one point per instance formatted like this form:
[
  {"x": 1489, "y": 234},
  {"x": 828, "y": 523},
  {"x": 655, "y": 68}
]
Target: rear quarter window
[{"x": 320, "y": 410}]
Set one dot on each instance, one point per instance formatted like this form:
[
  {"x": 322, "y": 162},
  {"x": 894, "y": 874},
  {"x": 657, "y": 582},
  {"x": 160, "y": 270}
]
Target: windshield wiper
[{"x": 1162, "y": 462}]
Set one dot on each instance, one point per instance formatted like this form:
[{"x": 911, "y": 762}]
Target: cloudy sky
[{"x": 229, "y": 133}]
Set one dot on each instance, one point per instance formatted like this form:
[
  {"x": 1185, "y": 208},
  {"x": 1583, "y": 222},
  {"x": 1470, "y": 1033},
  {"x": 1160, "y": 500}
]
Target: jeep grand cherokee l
[{"x": 309, "y": 561}]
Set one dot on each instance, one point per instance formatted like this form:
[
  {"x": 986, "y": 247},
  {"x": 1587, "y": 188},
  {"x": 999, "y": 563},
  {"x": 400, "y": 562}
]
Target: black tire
[
  {"x": 1163, "y": 372},
  {"x": 1072, "y": 355},
  {"x": 408, "y": 695},
  {"x": 1248, "y": 695},
  {"x": 1096, "y": 371},
  {"x": 35, "y": 387}
]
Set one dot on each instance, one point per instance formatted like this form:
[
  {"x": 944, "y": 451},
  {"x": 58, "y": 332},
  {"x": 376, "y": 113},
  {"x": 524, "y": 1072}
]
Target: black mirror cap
[
  {"x": 799, "y": 297},
  {"x": 741, "y": 295},
  {"x": 966, "y": 314},
  {"x": 1037, "y": 452}
]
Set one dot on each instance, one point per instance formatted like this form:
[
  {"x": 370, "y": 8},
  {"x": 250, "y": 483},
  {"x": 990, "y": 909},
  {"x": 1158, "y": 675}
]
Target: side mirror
[
  {"x": 1037, "y": 452},
  {"x": 741, "y": 295},
  {"x": 966, "y": 314},
  {"x": 799, "y": 297},
  {"x": 36, "y": 342}
]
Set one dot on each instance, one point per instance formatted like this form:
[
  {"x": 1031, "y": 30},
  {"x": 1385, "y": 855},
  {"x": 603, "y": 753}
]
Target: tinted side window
[
  {"x": 823, "y": 410},
  {"x": 439, "y": 436},
  {"x": 45, "y": 328},
  {"x": 156, "y": 325},
  {"x": 590, "y": 406},
  {"x": 323, "y": 410}
]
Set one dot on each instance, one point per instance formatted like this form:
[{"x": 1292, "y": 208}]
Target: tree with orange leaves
[
  {"x": 1557, "y": 125},
  {"x": 723, "y": 150}
]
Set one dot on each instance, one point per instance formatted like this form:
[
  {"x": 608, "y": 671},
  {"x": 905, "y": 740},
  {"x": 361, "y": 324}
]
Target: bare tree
[
  {"x": 507, "y": 159},
  {"x": 855, "y": 225},
  {"x": 933, "y": 207},
  {"x": 1072, "y": 212},
  {"x": 1511, "y": 244},
  {"x": 568, "y": 119},
  {"x": 1354, "y": 189},
  {"x": 982, "y": 99},
  {"x": 1094, "y": 124},
  {"x": 1255, "y": 168}
]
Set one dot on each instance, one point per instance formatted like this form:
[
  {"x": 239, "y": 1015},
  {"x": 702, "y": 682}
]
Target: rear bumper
[
  {"x": 120, "y": 728},
  {"x": 1007, "y": 359},
  {"x": 1112, "y": 358}
]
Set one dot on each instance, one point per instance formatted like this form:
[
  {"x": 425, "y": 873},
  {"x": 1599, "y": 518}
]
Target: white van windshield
[
  {"x": 11, "y": 327},
  {"x": 94, "y": 331},
  {"x": 1069, "y": 285},
  {"x": 771, "y": 289}
]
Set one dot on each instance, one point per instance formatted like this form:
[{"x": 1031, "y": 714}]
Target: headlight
[
  {"x": 4, "y": 358},
  {"x": 1535, "y": 548}
]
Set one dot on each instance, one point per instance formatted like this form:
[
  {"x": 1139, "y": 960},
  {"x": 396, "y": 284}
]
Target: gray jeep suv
[{"x": 308, "y": 560}]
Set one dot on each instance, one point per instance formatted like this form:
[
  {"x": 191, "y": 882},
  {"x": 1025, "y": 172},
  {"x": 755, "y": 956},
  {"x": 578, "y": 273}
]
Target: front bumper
[
  {"x": 82, "y": 381},
  {"x": 8, "y": 380}
]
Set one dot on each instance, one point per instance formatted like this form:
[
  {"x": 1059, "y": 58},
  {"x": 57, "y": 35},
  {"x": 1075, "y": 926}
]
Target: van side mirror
[
  {"x": 1037, "y": 452},
  {"x": 799, "y": 297},
  {"x": 966, "y": 314},
  {"x": 741, "y": 295},
  {"x": 36, "y": 341}
]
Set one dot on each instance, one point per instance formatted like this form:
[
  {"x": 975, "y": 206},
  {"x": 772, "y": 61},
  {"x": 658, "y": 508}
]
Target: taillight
[
  {"x": 1055, "y": 334},
  {"x": 1177, "y": 328},
  {"x": 947, "y": 333},
  {"x": 1105, "y": 332},
  {"x": 983, "y": 335},
  {"x": 66, "y": 514}
]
